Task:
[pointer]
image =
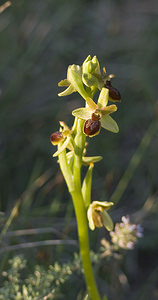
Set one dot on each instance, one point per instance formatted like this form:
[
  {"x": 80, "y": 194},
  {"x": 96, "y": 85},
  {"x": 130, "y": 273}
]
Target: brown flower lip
[
  {"x": 56, "y": 137},
  {"x": 114, "y": 94},
  {"x": 92, "y": 127}
]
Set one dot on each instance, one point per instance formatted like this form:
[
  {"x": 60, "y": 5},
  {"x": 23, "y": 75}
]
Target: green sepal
[
  {"x": 86, "y": 160},
  {"x": 68, "y": 91},
  {"x": 64, "y": 82},
  {"x": 74, "y": 76},
  {"x": 103, "y": 98},
  {"x": 109, "y": 123},
  {"x": 82, "y": 113},
  {"x": 107, "y": 221},
  {"x": 96, "y": 63},
  {"x": 86, "y": 186},
  {"x": 90, "y": 81}
]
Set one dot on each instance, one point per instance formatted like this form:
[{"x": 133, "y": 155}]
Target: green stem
[
  {"x": 81, "y": 214},
  {"x": 84, "y": 244}
]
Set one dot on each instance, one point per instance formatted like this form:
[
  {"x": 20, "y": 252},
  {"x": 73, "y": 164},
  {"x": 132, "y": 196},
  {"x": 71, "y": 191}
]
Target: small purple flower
[{"x": 126, "y": 234}]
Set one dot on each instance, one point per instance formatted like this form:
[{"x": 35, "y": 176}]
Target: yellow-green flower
[
  {"x": 97, "y": 215},
  {"x": 97, "y": 115},
  {"x": 62, "y": 138}
]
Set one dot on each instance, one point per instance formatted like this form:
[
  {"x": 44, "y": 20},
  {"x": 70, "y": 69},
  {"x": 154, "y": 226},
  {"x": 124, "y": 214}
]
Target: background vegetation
[{"x": 38, "y": 40}]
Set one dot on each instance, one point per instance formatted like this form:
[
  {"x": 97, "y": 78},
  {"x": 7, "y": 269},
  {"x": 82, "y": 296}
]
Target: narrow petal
[
  {"x": 82, "y": 113},
  {"x": 63, "y": 147},
  {"x": 108, "y": 109},
  {"x": 68, "y": 91},
  {"x": 92, "y": 105},
  {"x": 108, "y": 123}
]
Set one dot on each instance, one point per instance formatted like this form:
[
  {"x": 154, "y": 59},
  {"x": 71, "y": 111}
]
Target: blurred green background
[{"x": 38, "y": 40}]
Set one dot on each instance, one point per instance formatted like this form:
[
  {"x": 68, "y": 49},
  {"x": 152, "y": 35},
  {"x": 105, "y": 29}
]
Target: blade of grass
[{"x": 14, "y": 212}]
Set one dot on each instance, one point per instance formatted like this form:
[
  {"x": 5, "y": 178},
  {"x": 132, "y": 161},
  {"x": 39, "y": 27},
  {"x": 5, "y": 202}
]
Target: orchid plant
[{"x": 71, "y": 143}]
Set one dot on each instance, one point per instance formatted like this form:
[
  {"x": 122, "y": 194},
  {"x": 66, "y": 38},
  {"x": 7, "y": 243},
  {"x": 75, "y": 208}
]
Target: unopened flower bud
[
  {"x": 114, "y": 94},
  {"x": 92, "y": 127},
  {"x": 56, "y": 138},
  {"x": 91, "y": 65}
]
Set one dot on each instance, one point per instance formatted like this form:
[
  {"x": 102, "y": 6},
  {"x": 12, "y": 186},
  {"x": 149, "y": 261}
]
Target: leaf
[
  {"x": 109, "y": 123},
  {"x": 82, "y": 113}
]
